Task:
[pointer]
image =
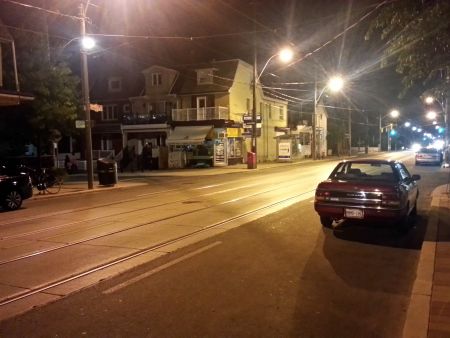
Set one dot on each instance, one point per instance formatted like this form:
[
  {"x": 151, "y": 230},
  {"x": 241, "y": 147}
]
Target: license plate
[{"x": 354, "y": 213}]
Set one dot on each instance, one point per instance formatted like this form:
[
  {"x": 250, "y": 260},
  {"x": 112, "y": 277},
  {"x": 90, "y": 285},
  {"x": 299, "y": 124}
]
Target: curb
[
  {"x": 418, "y": 313},
  {"x": 78, "y": 190}
]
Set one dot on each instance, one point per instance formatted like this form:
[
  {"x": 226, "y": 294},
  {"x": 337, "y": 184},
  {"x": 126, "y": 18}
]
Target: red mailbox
[{"x": 251, "y": 160}]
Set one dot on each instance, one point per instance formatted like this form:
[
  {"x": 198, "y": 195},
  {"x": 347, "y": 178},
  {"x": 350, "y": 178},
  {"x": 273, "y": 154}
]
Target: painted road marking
[{"x": 160, "y": 268}]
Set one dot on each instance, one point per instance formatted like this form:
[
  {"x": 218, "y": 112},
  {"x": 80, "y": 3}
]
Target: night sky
[{"x": 183, "y": 32}]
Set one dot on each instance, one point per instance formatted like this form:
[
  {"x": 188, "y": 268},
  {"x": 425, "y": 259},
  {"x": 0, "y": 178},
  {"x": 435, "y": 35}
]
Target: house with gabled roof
[
  {"x": 219, "y": 94},
  {"x": 195, "y": 115}
]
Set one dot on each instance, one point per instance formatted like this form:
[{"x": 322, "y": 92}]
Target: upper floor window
[
  {"x": 114, "y": 84},
  {"x": 126, "y": 108},
  {"x": 156, "y": 79},
  {"x": 110, "y": 112},
  {"x": 205, "y": 76},
  {"x": 281, "y": 113}
]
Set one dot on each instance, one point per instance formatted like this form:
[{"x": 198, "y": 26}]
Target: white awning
[{"x": 188, "y": 135}]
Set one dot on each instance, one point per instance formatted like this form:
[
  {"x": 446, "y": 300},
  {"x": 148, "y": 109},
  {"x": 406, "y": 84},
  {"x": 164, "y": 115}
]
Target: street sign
[
  {"x": 249, "y": 118},
  {"x": 80, "y": 124}
]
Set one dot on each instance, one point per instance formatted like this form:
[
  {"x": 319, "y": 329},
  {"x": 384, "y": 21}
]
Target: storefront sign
[{"x": 233, "y": 132}]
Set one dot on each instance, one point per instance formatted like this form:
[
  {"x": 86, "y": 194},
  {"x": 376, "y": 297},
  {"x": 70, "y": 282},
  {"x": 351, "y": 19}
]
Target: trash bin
[
  {"x": 251, "y": 160},
  {"x": 106, "y": 171}
]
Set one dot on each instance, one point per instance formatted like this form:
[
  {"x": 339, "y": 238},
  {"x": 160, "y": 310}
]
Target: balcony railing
[
  {"x": 200, "y": 114},
  {"x": 149, "y": 118}
]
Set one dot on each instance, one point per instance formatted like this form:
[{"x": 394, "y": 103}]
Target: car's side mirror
[{"x": 415, "y": 177}]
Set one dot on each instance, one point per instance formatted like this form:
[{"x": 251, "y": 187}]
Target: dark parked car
[
  {"x": 429, "y": 156},
  {"x": 368, "y": 190},
  {"x": 15, "y": 186}
]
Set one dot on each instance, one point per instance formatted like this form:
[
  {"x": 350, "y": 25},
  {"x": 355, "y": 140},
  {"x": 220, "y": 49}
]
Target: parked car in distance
[
  {"x": 368, "y": 190},
  {"x": 429, "y": 156},
  {"x": 15, "y": 186}
]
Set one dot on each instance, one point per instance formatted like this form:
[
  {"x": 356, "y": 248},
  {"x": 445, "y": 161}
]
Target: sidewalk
[
  {"x": 439, "y": 322},
  {"x": 77, "y": 183},
  {"x": 428, "y": 314}
]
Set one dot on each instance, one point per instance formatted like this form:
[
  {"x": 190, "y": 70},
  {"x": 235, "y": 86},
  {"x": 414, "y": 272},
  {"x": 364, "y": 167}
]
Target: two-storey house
[
  {"x": 195, "y": 115},
  {"x": 212, "y": 101},
  {"x": 112, "y": 85}
]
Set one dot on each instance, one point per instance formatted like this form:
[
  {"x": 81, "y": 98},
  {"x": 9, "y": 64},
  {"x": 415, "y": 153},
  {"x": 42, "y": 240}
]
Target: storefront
[
  {"x": 204, "y": 146},
  {"x": 191, "y": 146}
]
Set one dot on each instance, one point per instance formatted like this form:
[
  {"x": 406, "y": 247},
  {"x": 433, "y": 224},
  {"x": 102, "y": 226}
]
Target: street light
[
  {"x": 86, "y": 44},
  {"x": 335, "y": 84},
  {"x": 431, "y": 115},
  {"x": 394, "y": 114},
  {"x": 444, "y": 108},
  {"x": 285, "y": 55}
]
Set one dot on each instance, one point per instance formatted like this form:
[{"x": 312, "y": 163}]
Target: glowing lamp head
[
  {"x": 394, "y": 113},
  {"x": 87, "y": 43},
  {"x": 336, "y": 83},
  {"x": 429, "y": 99},
  {"x": 431, "y": 115},
  {"x": 286, "y": 55}
]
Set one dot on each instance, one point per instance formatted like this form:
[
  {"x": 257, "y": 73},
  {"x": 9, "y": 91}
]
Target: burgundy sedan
[{"x": 368, "y": 190}]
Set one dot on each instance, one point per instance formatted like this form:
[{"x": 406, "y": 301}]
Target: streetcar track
[
  {"x": 140, "y": 252},
  {"x": 43, "y": 230},
  {"x": 69, "y": 211},
  {"x": 133, "y": 227}
]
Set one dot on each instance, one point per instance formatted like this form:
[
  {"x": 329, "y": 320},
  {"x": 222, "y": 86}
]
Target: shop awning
[{"x": 186, "y": 135}]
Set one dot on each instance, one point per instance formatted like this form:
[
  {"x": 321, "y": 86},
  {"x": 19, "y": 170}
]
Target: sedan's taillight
[
  {"x": 391, "y": 200},
  {"x": 322, "y": 195}
]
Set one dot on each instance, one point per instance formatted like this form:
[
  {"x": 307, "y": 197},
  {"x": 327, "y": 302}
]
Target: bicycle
[{"x": 44, "y": 180}]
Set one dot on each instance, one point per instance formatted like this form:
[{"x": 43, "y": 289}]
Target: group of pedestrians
[{"x": 131, "y": 160}]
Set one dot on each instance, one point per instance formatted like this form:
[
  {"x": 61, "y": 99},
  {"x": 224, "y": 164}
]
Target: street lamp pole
[
  {"x": 85, "y": 86},
  {"x": 313, "y": 124},
  {"x": 389, "y": 137},
  {"x": 255, "y": 78},
  {"x": 334, "y": 84},
  {"x": 380, "y": 130}
]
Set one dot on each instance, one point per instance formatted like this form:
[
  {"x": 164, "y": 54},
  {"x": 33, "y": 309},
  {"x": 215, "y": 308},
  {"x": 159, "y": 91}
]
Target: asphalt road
[{"x": 280, "y": 275}]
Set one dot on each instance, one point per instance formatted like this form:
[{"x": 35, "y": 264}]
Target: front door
[{"x": 201, "y": 108}]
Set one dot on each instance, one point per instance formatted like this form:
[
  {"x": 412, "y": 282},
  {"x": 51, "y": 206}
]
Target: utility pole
[
  {"x": 313, "y": 123},
  {"x": 349, "y": 132},
  {"x": 380, "y": 130},
  {"x": 255, "y": 78},
  {"x": 87, "y": 110},
  {"x": 366, "y": 147}
]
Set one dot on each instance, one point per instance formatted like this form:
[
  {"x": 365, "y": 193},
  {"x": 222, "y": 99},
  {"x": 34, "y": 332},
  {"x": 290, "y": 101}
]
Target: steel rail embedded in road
[{"x": 144, "y": 251}]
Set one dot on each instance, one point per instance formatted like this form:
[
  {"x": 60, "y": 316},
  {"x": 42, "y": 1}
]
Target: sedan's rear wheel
[
  {"x": 13, "y": 200},
  {"x": 326, "y": 221},
  {"x": 405, "y": 222}
]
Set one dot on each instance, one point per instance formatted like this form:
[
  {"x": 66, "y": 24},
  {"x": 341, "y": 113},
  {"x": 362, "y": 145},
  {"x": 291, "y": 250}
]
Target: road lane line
[{"x": 160, "y": 268}]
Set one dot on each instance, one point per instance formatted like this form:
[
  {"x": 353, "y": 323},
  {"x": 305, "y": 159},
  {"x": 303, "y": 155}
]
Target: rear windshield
[
  {"x": 429, "y": 151},
  {"x": 364, "y": 171}
]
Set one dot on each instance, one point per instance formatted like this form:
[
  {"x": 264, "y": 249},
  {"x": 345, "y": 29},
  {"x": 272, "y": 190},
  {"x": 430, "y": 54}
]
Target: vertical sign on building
[
  {"x": 284, "y": 150},
  {"x": 220, "y": 151}
]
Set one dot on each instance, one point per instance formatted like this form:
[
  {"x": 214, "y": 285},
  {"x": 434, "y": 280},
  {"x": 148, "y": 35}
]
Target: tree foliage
[
  {"x": 55, "y": 88},
  {"x": 417, "y": 37}
]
